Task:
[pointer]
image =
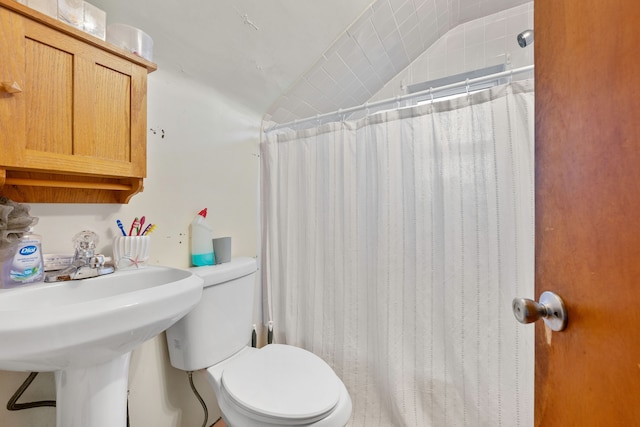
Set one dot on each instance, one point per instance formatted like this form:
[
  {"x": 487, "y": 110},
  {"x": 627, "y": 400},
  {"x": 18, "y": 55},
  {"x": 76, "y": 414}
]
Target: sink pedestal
[{"x": 94, "y": 396}]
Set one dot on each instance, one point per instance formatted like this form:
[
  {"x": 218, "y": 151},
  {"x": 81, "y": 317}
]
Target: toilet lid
[{"x": 282, "y": 381}]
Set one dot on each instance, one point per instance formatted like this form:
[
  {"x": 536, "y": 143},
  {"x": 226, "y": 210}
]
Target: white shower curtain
[{"x": 393, "y": 247}]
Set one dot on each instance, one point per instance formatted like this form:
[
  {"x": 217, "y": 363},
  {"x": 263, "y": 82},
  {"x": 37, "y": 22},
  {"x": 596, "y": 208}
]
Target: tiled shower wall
[
  {"x": 474, "y": 45},
  {"x": 396, "y": 43}
]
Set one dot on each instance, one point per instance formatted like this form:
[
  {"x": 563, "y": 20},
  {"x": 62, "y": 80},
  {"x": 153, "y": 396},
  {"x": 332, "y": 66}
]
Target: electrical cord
[
  {"x": 13, "y": 406},
  {"x": 195, "y": 391}
]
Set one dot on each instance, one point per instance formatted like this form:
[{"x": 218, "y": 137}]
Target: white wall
[{"x": 202, "y": 152}]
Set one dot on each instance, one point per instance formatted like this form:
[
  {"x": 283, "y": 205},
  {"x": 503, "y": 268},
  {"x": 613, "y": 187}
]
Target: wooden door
[{"x": 587, "y": 55}]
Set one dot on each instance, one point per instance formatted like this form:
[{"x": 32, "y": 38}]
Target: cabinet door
[
  {"x": 110, "y": 113},
  {"x": 81, "y": 110},
  {"x": 12, "y": 112}
]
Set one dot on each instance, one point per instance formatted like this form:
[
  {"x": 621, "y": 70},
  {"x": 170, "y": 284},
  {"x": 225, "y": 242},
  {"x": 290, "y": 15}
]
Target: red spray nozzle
[{"x": 203, "y": 213}]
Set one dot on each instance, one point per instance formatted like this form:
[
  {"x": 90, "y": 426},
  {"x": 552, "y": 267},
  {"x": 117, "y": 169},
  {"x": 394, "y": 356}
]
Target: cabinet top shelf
[{"x": 76, "y": 33}]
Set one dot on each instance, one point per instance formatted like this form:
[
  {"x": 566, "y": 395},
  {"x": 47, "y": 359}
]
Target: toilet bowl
[{"x": 277, "y": 385}]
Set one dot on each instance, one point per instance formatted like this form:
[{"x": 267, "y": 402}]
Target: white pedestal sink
[{"x": 84, "y": 331}]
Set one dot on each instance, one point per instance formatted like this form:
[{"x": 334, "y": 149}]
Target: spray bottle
[{"x": 201, "y": 241}]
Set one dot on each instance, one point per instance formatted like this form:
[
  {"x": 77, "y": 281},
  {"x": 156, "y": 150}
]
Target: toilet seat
[{"x": 281, "y": 384}]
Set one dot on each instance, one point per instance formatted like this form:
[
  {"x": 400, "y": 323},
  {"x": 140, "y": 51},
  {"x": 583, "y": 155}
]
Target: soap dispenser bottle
[
  {"x": 27, "y": 265},
  {"x": 201, "y": 241}
]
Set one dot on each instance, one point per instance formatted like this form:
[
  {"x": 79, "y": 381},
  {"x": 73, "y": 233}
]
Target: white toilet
[{"x": 277, "y": 385}]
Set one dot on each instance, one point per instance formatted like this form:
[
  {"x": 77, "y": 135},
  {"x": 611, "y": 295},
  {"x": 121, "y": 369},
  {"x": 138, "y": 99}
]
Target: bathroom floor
[{"x": 220, "y": 423}]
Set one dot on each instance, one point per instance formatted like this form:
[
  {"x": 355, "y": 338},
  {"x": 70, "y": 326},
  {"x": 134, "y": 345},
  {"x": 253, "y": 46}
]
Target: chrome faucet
[{"x": 86, "y": 263}]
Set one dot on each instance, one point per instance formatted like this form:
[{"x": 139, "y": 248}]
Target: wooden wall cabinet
[{"x": 72, "y": 113}]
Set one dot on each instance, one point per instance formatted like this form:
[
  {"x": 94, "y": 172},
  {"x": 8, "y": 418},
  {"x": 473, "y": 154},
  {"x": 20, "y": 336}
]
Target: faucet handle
[
  {"x": 97, "y": 261},
  {"x": 85, "y": 243}
]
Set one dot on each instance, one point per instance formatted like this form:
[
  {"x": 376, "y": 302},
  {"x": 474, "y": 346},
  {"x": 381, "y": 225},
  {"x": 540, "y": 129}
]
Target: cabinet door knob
[{"x": 11, "y": 87}]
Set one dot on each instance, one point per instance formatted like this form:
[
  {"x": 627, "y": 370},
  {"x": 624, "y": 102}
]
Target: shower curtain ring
[
  {"x": 431, "y": 93},
  {"x": 467, "y": 84}
]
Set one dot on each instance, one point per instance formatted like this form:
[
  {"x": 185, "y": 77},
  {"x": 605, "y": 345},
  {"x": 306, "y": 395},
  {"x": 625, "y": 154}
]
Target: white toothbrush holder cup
[{"x": 131, "y": 252}]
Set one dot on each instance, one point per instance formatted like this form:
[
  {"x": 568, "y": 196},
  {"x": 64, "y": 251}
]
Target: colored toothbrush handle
[
  {"x": 121, "y": 227},
  {"x": 146, "y": 230},
  {"x": 134, "y": 225},
  {"x": 139, "y": 232}
]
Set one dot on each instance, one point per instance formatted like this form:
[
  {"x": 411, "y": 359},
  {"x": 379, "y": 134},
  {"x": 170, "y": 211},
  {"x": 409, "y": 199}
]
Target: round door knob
[{"x": 550, "y": 308}]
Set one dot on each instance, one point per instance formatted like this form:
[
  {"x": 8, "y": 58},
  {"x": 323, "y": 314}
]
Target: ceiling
[{"x": 292, "y": 58}]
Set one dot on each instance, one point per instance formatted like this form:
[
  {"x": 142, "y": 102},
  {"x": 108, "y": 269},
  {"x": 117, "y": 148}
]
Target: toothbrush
[
  {"x": 134, "y": 225},
  {"x": 139, "y": 228},
  {"x": 121, "y": 227},
  {"x": 146, "y": 230},
  {"x": 149, "y": 229}
]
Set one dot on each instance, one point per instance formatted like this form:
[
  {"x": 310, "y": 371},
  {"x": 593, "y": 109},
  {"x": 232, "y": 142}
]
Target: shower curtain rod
[{"x": 429, "y": 92}]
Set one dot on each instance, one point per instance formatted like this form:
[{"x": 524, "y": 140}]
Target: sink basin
[{"x": 84, "y": 330}]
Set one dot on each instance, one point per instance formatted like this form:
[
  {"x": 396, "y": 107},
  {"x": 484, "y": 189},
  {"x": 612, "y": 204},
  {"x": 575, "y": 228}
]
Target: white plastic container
[
  {"x": 95, "y": 21},
  {"x": 131, "y": 39},
  {"x": 27, "y": 265},
  {"x": 201, "y": 241},
  {"x": 71, "y": 12}
]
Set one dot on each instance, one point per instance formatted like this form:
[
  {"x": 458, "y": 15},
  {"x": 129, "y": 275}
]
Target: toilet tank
[{"x": 221, "y": 324}]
